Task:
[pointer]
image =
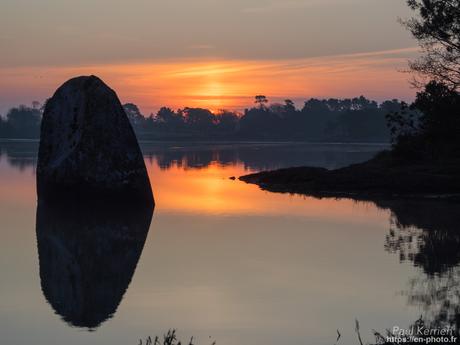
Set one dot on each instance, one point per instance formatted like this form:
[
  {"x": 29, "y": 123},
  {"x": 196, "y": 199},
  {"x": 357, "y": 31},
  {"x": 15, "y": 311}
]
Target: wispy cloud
[{"x": 225, "y": 83}]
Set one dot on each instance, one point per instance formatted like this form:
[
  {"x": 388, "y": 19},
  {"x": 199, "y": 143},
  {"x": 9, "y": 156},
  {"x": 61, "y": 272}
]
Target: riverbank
[{"x": 378, "y": 177}]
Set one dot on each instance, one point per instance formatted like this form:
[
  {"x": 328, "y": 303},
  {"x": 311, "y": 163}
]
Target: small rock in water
[{"x": 88, "y": 147}]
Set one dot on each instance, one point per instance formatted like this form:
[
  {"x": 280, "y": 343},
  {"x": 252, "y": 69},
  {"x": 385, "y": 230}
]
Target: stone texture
[{"x": 88, "y": 147}]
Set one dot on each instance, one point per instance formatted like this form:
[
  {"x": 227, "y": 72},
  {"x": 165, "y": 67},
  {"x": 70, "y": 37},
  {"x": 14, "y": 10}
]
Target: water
[{"x": 223, "y": 260}]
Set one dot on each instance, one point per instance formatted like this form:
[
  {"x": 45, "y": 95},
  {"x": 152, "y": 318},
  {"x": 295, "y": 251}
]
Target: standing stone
[{"x": 88, "y": 148}]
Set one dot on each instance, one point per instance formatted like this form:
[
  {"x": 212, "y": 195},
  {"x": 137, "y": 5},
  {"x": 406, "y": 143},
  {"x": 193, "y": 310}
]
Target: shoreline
[
  {"x": 227, "y": 141},
  {"x": 371, "y": 180}
]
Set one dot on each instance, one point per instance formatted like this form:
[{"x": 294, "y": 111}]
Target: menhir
[{"x": 88, "y": 149}]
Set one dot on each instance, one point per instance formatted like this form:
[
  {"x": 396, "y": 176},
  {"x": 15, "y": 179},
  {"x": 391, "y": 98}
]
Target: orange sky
[
  {"x": 229, "y": 84},
  {"x": 206, "y": 53}
]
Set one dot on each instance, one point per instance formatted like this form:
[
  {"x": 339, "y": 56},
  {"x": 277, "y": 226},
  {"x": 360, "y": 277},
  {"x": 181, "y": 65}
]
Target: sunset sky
[{"x": 208, "y": 53}]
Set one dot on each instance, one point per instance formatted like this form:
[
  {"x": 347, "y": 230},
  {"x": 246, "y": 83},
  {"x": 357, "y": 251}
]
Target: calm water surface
[{"x": 225, "y": 260}]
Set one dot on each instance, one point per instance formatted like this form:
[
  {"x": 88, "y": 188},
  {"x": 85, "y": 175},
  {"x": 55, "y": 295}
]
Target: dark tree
[
  {"x": 402, "y": 122},
  {"x": 261, "y": 101},
  {"x": 278, "y": 109},
  {"x": 429, "y": 128},
  {"x": 199, "y": 119},
  {"x": 261, "y": 122},
  {"x": 316, "y": 105},
  {"x": 289, "y": 106},
  {"x": 227, "y": 122},
  {"x": 134, "y": 114},
  {"x": 170, "y": 119},
  {"x": 316, "y": 117},
  {"x": 437, "y": 28},
  {"x": 431, "y": 135},
  {"x": 440, "y": 120},
  {"x": 3, "y": 127},
  {"x": 24, "y": 122},
  {"x": 166, "y": 115},
  {"x": 361, "y": 103},
  {"x": 391, "y": 106}
]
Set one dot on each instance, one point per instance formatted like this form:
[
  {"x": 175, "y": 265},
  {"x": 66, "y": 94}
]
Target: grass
[{"x": 170, "y": 338}]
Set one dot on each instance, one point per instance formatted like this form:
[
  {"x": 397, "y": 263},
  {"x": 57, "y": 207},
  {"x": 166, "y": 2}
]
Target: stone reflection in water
[
  {"x": 88, "y": 253},
  {"x": 427, "y": 234}
]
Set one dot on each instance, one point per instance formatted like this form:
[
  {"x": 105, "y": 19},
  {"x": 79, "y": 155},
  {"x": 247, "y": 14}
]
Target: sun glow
[{"x": 229, "y": 84}]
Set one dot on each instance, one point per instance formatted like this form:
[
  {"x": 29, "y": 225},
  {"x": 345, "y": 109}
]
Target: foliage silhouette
[
  {"x": 437, "y": 28},
  {"x": 21, "y": 122},
  {"x": 343, "y": 120}
]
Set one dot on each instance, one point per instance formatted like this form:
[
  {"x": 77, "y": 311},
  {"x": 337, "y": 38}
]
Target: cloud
[{"x": 224, "y": 83}]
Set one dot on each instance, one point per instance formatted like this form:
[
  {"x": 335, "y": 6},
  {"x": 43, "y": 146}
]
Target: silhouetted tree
[
  {"x": 261, "y": 101},
  {"x": 289, "y": 106},
  {"x": 227, "y": 122},
  {"x": 433, "y": 132},
  {"x": 432, "y": 135},
  {"x": 169, "y": 119},
  {"x": 278, "y": 109},
  {"x": 316, "y": 117},
  {"x": 361, "y": 103},
  {"x": 391, "y": 106},
  {"x": 134, "y": 114},
  {"x": 199, "y": 119},
  {"x": 166, "y": 115},
  {"x": 3, "y": 127},
  {"x": 24, "y": 122},
  {"x": 316, "y": 106},
  {"x": 402, "y": 122},
  {"x": 290, "y": 113},
  {"x": 440, "y": 120},
  {"x": 437, "y": 28},
  {"x": 364, "y": 125}
]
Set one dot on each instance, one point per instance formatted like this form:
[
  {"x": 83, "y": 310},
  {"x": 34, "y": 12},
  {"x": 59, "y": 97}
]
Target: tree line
[
  {"x": 21, "y": 122},
  {"x": 356, "y": 119},
  {"x": 350, "y": 119}
]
